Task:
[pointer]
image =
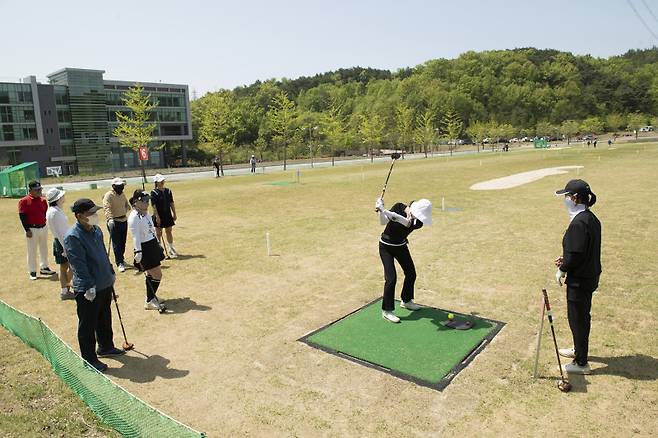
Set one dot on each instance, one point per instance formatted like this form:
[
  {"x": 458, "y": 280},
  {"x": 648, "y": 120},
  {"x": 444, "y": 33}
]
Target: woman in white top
[
  {"x": 59, "y": 226},
  {"x": 148, "y": 253}
]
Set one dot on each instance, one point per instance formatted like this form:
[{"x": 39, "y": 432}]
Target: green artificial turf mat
[{"x": 419, "y": 349}]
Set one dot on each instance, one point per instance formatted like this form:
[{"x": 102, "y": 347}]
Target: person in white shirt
[
  {"x": 59, "y": 226},
  {"x": 148, "y": 252}
]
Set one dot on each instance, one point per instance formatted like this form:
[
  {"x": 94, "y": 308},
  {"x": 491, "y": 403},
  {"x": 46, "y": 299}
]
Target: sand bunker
[{"x": 518, "y": 179}]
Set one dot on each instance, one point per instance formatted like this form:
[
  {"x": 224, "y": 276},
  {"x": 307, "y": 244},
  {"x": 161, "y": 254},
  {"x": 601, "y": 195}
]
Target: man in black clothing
[{"x": 580, "y": 262}]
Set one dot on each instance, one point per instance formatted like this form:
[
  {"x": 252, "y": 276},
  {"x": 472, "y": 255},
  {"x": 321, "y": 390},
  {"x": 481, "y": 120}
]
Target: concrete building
[{"x": 69, "y": 122}]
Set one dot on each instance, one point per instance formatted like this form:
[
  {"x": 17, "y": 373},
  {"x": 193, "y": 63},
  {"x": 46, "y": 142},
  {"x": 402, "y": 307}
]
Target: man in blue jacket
[{"x": 93, "y": 281}]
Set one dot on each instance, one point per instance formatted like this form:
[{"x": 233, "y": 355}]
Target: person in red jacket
[{"x": 32, "y": 213}]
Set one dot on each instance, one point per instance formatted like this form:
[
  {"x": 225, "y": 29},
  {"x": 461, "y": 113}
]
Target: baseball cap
[
  {"x": 140, "y": 195},
  {"x": 118, "y": 181},
  {"x": 158, "y": 178},
  {"x": 54, "y": 194},
  {"x": 575, "y": 187},
  {"x": 34, "y": 185},
  {"x": 84, "y": 205}
]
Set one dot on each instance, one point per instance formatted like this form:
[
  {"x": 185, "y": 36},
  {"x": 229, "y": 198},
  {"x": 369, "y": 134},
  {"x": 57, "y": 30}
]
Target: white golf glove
[
  {"x": 91, "y": 293},
  {"x": 379, "y": 204},
  {"x": 138, "y": 257},
  {"x": 559, "y": 276},
  {"x": 110, "y": 224}
]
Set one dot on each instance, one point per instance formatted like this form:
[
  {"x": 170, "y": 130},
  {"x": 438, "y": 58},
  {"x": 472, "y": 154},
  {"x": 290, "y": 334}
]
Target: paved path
[{"x": 136, "y": 180}]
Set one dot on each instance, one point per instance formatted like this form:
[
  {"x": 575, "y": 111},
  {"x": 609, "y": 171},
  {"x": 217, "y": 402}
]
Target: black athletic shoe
[
  {"x": 33, "y": 276},
  {"x": 100, "y": 366},
  {"x": 111, "y": 352},
  {"x": 46, "y": 271}
]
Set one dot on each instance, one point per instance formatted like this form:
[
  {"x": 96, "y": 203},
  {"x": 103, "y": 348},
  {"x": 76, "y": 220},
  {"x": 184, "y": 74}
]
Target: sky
[{"x": 211, "y": 45}]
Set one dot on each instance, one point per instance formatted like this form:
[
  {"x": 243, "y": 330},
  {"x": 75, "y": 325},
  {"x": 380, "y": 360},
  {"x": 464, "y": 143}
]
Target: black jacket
[
  {"x": 581, "y": 250},
  {"x": 395, "y": 233}
]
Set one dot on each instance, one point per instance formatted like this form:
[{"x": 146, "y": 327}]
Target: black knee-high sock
[
  {"x": 155, "y": 284},
  {"x": 150, "y": 293}
]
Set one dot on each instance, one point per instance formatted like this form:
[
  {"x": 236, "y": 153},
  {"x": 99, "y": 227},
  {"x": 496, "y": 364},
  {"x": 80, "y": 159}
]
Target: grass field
[{"x": 227, "y": 361}]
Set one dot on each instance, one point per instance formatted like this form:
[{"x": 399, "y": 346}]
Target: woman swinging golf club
[
  {"x": 400, "y": 221},
  {"x": 148, "y": 253}
]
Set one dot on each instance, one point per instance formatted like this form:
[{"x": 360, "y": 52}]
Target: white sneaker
[
  {"x": 390, "y": 316},
  {"x": 152, "y": 305},
  {"x": 567, "y": 352},
  {"x": 574, "y": 368},
  {"x": 172, "y": 251},
  {"x": 33, "y": 276},
  {"x": 410, "y": 305},
  {"x": 122, "y": 267}
]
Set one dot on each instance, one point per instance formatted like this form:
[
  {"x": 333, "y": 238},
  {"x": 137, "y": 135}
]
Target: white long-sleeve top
[
  {"x": 57, "y": 222},
  {"x": 141, "y": 227}
]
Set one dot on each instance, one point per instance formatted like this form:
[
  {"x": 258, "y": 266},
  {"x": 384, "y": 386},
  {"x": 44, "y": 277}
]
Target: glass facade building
[{"x": 69, "y": 122}]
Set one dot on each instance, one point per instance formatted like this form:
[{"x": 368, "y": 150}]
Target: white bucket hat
[
  {"x": 118, "y": 181},
  {"x": 422, "y": 210},
  {"x": 54, "y": 194},
  {"x": 158, "y": 178}
]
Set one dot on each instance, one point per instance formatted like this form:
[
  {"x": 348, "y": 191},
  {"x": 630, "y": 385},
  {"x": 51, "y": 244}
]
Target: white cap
[
  {"x": 158, "y": 178},
  {"x": 118, "y": 181},
  {"x": 54, "y": 194},
  {"x": 422, "y": 210}
]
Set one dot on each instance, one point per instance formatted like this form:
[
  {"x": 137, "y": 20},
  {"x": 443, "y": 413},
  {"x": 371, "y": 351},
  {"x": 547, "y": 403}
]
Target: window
[
  {"x": 65, "y": 133},
  {"x": 63, "y": 116},
  {"x": 4, "y": 96},
  {"x": 8, "y": 132},
  {"x": 29, "y": 134},
  {"x": 6, "y": 115},
  {"x": 28, "y": 115}
]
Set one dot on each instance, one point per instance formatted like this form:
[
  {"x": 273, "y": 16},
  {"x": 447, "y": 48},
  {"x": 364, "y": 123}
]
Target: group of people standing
[{"x": 86, "y": 273}]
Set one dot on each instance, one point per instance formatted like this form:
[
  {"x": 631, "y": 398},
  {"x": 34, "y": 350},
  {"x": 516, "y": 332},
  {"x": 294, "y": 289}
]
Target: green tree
[
  {"x": 592, "y": 125},
  {"x": 425, "y": 132},
  {"x": 615, "y": 121},
  {"x": 281, "y": 117},
  {"x": 371, "y": 131},
  {"x": 404, "y": 122},
  {"x": 569, "y": 128},
  {"x": 334, "y": 127},
  {"x": 452, "y": 128},
  {"x": 134, "y": 129},
  {"x": 217, "y": 125},
  {"x": 478, "y": 131}
]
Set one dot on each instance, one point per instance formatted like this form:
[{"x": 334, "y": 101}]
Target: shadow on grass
[
  {"x": 636, "y": 367},
  {"x": 183, "y": 305},
  {"x": 144, "y": 369},
  {"x": 190, "y": 256},
  {"x": 438, "y": 317}
]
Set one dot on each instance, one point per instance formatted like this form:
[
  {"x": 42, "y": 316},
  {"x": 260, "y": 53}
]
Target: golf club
[
  {"x": 394, "y": 156},
  {"x": 563, "y": 385},
  {"x": 126, "y": 345},
  {"x": 164, "y": 246}
]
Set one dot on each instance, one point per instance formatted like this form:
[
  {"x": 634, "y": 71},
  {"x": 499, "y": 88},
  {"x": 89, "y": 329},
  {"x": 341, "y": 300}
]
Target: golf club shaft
[
  {"x": 123, "y": 330},
  {"x": 550, "y": 320},
  {"x": 386, "y": 182}
]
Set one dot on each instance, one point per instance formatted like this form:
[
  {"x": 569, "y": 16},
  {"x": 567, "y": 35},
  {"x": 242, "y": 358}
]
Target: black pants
[
  {"x": 400, "y": 253},
  {"x": 253, "y": 168},
  {"x": 579, "y": 304},
  {"x": 94, "y": 324},
  {"x": 119, "y": 233}
]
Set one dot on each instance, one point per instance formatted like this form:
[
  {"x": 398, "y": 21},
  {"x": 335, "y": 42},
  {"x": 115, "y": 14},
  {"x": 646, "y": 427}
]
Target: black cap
[
  {"x": 575, "y": 187},
  {"x": 139, "y": 195},
  {"x": 34, "y": 185},
  {"x": 84, "y": 205}
]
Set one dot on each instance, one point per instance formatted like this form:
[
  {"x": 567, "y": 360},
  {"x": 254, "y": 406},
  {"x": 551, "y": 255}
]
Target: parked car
[
  {"x": 514, "y": 140},
  {"x": 486, "y": 140},
  {"x": 524, "y": 139},
  {"x": 588, "y": 137},
  {"x": 646, "y": 128}
]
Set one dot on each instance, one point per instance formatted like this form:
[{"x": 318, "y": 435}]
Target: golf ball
[{"x": 451, "y": 316}]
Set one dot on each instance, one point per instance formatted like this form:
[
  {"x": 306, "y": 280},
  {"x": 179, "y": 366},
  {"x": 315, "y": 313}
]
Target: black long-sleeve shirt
[
  {"x": 395, "y": 233},
  {"x": 581, "y": 249}
]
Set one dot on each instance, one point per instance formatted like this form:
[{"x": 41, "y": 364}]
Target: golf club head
[
  {"x": 564, "y": 386},
  {"x": 128, "y": 346},
  {"x": 395, "y": 155}
]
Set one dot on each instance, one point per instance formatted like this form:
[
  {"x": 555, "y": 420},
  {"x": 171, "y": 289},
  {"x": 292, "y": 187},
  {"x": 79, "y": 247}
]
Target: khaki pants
[{"x": 38, "y": 241}]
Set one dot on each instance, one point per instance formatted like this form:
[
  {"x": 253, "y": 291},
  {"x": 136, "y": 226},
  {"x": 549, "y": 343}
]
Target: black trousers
[
  {"x": 253, "y": 168},
  {"x": 400, "y": 253},
  {"x": 119, "y": 233},
  {"x": 579, "y": 305},
  {"x": 94, "y": 324}
]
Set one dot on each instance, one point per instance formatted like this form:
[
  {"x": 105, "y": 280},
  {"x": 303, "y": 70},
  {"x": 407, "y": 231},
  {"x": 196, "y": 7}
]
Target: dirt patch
[{"x": 518, "y": 179}]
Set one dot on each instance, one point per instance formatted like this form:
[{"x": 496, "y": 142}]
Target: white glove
[
  {"x": 379, "y": 204},
  {"x": 559, "y": 275},
  {"x": 91, "y": 293},
  {"x": 138, "y": 256},
  {"x": 110, "y": 224}
]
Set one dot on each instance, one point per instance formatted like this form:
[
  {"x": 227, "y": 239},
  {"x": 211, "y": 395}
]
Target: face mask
[
  {"x": 569, "y": 203},
  {"x": 118, "y": 189},
  {"x": 93, "y": 219}
]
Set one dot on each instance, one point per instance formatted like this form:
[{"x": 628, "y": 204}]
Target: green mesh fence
[{"x": 115, "y": 406}]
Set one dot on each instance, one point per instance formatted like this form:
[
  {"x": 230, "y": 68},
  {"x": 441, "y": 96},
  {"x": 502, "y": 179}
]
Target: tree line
[{"x": 501, "y": 93}]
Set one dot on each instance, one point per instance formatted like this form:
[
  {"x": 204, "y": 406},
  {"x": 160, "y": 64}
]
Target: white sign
[{"x": 55, "y": 171}]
